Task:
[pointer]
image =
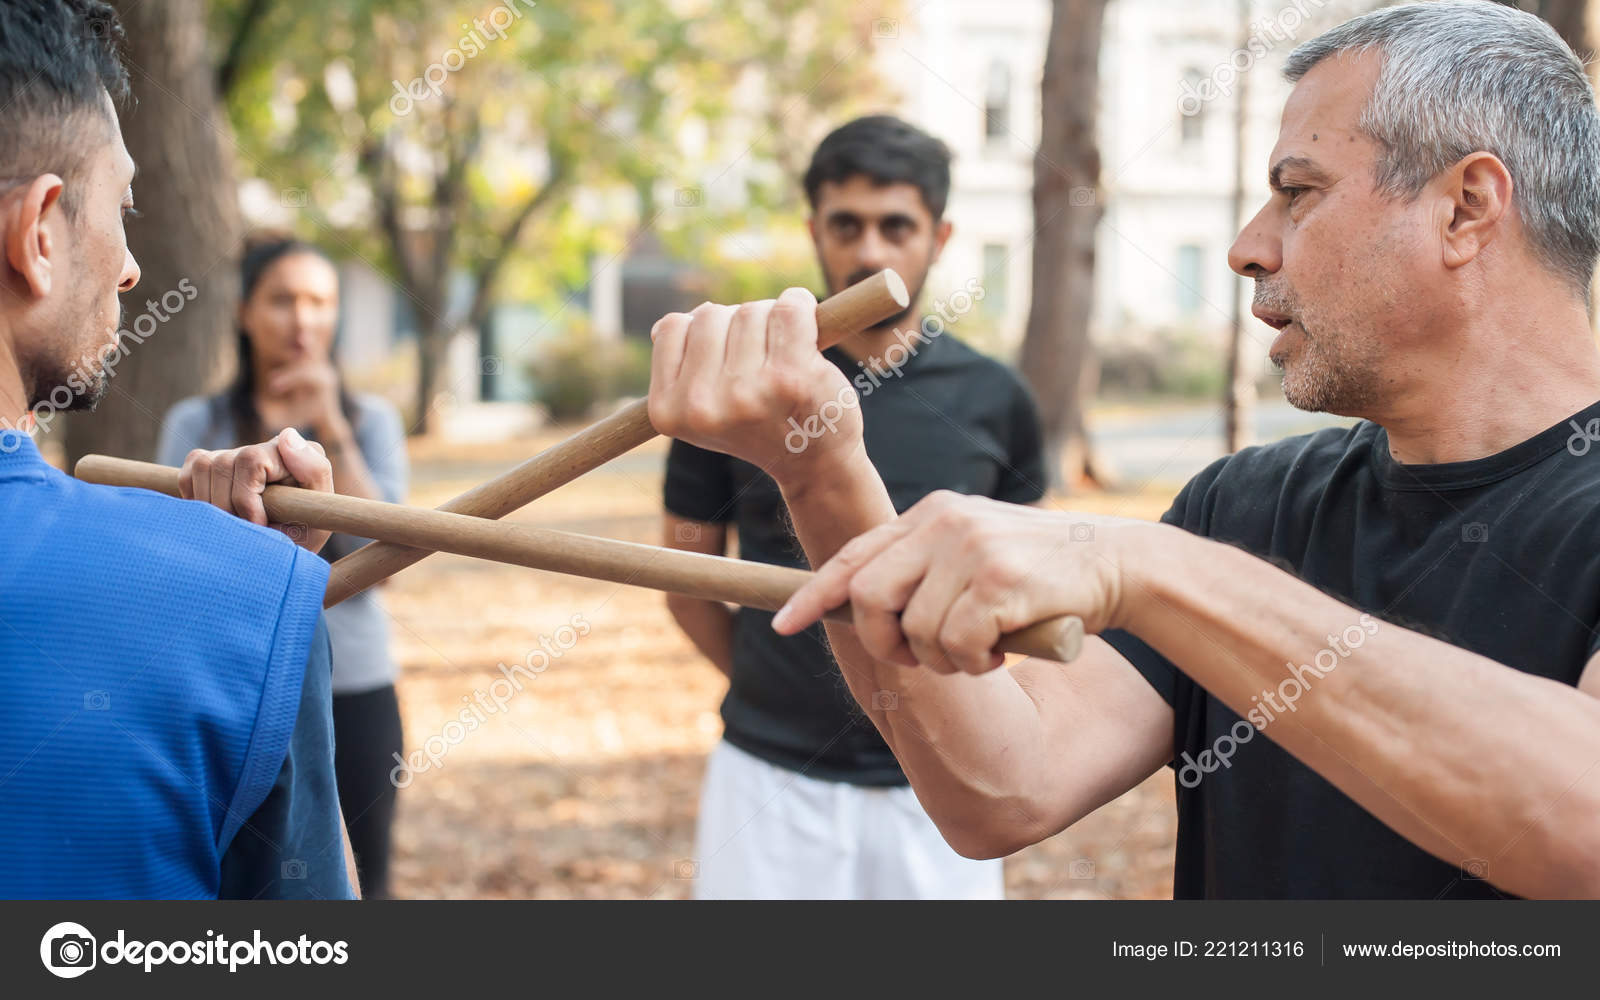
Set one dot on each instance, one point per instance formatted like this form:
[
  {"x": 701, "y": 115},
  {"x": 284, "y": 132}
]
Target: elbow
[{"x": 995, "y": 830}]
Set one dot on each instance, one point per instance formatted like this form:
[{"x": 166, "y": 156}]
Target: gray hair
[{"x": 1464, "y": 76}]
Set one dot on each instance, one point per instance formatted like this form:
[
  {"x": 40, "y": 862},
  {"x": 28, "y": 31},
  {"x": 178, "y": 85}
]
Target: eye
[
  {"x": 897, "y": 229},
  {"x": 1292, "y": 193}
]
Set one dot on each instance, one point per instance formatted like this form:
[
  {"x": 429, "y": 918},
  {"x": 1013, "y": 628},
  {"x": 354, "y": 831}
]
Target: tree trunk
[
  {"x": 1239, "y": 390},
  {"x": 188, "y": 238},
  {"x": 1569, "y": 18},
  {"x": 433, "y": 359},
  {"x": 1066, "y": 212}
]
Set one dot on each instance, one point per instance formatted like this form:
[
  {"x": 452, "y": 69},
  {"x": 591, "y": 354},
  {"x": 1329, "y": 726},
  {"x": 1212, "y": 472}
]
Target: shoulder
[
  {"x": 953, "y": 354},
  {"x": 192, "y": 546},
  {"x": 1260, "y": 478},
  {"x": 375, "y": 416},
  {"x": 195, "y": 411},
  {"x": 371, "y": 405}
]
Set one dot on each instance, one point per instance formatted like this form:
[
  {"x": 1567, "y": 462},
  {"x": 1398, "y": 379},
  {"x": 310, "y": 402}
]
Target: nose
[
  {"x": 1257, "y": 251},
  {"x": 872, "y": 250},
  {"x": 130, "y": 272}
]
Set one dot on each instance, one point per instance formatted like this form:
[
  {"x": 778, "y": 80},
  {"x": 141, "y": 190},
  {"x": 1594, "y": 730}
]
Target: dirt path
[{"x": 585, "y": 784}]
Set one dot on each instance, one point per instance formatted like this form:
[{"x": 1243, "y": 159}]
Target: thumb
[{"x": 305, "y": 461}]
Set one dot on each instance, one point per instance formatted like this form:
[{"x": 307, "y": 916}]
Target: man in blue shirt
[{"x": 165, "y": 723}]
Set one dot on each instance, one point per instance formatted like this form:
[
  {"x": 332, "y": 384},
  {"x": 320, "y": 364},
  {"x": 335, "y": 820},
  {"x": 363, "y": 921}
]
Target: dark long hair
[{"x": 239, "y": 398}]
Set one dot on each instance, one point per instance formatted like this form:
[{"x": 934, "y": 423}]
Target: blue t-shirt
[{"x": 164, "y": 710}]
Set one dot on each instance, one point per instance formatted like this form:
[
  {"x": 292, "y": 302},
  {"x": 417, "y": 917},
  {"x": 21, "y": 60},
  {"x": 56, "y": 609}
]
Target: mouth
[{"x": 1276, "y": 320}]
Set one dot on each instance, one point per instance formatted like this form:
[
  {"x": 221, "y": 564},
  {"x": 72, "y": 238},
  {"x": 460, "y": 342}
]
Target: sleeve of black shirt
[
  {"x": 292, "y": 847},
  {"x": 1189, "y": 512},
  {"x": 699, "y": 484},
  {"x": 1023, "y": 478}
]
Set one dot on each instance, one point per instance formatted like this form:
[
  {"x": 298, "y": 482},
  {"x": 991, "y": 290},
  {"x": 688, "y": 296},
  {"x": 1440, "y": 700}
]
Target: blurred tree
[
  {"x": 1570, "y": 18},
  {"x": 466, "y": 148},
  {"x": 1239, "y": 384},
  {"x": 185, "y": 188},
  {"x": 1066, "y": 211}
]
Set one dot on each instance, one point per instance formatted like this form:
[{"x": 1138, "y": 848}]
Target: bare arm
[
  {"x": 1465, "y": 757},
  {"x": 1002, "y": 759},
  {"x": 985, "y": 754},
  {"x": 708, "y": 624}
]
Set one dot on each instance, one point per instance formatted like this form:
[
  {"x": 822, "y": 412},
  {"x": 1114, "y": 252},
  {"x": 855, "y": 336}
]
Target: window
[
  {"x": 1192, "y": 110},
  {"x": 996, "y": 267},
  {"x": 997, "y": 102},
  {"x": 1191, "y": 279}
]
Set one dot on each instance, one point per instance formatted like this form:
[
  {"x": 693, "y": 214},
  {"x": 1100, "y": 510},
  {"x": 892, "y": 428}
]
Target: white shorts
[{"x": 766, "y": 832}]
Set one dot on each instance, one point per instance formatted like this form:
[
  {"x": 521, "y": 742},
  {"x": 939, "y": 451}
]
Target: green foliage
[{"x": 624, "y": 103}]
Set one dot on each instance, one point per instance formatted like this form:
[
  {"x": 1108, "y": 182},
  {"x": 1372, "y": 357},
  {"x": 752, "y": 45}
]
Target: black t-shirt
[
  {"x": 952, "y": 420},
  {"x": 1496, "y": 556}
]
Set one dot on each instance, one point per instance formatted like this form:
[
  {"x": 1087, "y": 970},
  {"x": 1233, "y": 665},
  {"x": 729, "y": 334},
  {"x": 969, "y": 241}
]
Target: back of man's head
[
  {"x": 59, "y": 62},
  {"x": 1463, "y": 76},
  {"x": 886, "y": 150}
]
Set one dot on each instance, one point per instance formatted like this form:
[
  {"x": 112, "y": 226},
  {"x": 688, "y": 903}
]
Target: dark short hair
[
  {"x": 59, "y": 60},
  {"x": 887, "y": 150}
]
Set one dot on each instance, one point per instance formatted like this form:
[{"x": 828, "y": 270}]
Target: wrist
[
  {"x": 801, "y": 477},
  {"x": 1150, "y": 561},
  {"x": 334, "y": 432}
]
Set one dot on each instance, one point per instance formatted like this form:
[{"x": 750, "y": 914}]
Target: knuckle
[{"x": 864, "y": 593}]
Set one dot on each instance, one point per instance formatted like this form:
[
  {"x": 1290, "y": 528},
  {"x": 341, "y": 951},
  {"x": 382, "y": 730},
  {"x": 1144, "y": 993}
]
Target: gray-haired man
[{"x": 1409, "y": 706}]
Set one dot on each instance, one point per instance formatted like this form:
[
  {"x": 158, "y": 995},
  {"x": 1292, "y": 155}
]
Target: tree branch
[
  {"x": 483, "y": 282},
  {"x": 233, "y": 60}
]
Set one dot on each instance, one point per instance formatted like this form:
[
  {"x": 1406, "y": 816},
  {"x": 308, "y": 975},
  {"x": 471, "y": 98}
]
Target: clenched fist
[
  {"x": 741, "y": 379},
  {"x": 235, "y": 479}
]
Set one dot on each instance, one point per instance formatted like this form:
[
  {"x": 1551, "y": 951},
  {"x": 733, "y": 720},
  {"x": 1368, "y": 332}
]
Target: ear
[
  {"x": 941, "y": 236},
  {"x": 29, "y": 247},
  {"x": 1478, "y": 194}
]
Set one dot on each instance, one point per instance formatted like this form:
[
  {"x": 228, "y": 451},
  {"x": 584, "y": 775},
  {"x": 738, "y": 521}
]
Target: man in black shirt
[
  {"x": 1368, "y": 654},
  {"x": 803, "y": 798}
]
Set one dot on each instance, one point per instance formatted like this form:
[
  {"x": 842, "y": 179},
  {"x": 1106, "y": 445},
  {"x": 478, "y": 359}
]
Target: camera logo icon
[
  {"x": 67, "y": 950},
  {"x": 885, "y": 701},
  {"x": 1082, "y": 868},
  {"x": 96, "y": 701},
  {"x": 686, "y": 869},
  {"x": 1474, "y": 531},
  {"x": 294, "y": 868},
  {"x": 687, "y": 532},
  {"x": 686, "y": 197}
]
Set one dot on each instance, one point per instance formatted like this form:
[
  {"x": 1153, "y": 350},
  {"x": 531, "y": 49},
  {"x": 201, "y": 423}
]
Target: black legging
[{"x": 366, "y": 733}]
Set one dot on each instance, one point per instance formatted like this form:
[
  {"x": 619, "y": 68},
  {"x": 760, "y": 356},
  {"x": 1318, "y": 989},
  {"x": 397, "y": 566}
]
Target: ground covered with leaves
[{"x": 585, "y": 784}]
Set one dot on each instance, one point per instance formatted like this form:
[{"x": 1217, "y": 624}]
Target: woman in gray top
[{"x": 287, "y": 318}]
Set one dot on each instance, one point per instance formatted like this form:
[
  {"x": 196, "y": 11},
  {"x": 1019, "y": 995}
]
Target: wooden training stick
[
  {"x": 859, "y": 307},
  {"x": 711, "y": 578}
]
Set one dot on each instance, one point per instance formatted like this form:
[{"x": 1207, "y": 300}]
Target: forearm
[
  {"x": 969, "y": 744},
  {"x": 709, "y": 625},
  {"x": 1465, "y": 757},
  {"x": 351, "y": 476}
]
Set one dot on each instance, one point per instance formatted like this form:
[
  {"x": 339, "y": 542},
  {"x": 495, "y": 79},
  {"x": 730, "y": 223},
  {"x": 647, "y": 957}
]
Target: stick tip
[{"x": 897, "y": 287}]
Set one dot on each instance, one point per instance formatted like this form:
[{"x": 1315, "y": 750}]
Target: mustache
[{"x": 1276, "y": 298}]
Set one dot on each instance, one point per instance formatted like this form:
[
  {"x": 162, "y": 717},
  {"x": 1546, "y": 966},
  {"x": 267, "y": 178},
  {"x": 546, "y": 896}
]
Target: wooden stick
[
  {"x": 859, "y": 307},
  {"x": 711, "y": 578}
]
